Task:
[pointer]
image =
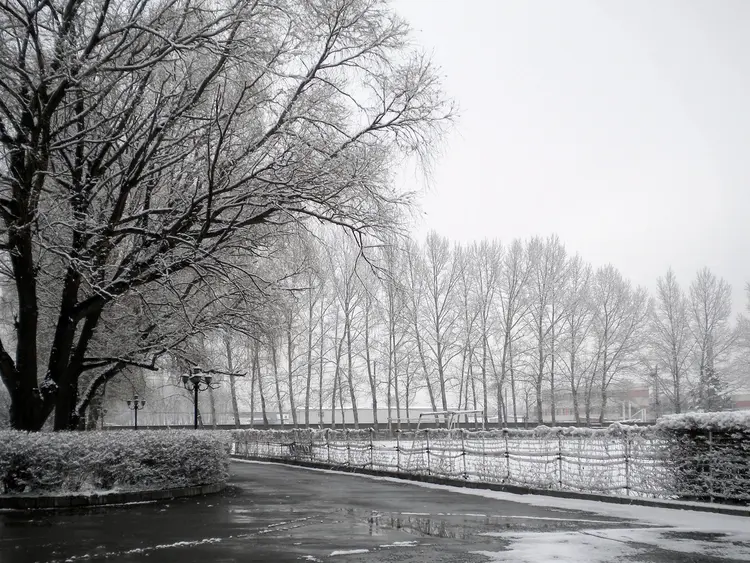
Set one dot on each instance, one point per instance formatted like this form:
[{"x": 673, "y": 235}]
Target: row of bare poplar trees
[{"x": 516, "y": 330}]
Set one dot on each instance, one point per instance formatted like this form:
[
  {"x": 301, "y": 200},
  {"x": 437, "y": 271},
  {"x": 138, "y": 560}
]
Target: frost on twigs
[{"x": 95, "y": 462}]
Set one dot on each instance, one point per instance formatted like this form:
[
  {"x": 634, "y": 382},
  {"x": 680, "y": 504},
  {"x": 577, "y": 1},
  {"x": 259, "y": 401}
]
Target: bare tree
[
  {"x": 547, "y": 263},
  {"x": 710, "y": 308},
  {"x": 144, "y": 138},
  {"x": 487, "y": 258},
  {"x": 576, "y": 327},
  {"x": 513, "y": 307},
  {"x": 671, "y": 339},
  {"x": 441, "y": 277},
  {"x": 468, "y": 304},
  {"x": 415, "y": 289},
  {"x": 621, "y": 314}
]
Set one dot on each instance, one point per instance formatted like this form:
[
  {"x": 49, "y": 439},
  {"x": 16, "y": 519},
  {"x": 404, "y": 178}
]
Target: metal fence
[{"x": 620, "y": 460}]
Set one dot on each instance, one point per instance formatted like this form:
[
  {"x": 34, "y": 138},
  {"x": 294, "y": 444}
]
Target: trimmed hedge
[
  {"x": 89, "y": 462},
  {"x": 709, "y": 455}
]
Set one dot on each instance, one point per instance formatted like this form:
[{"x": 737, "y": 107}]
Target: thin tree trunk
[
  {"x": 252, "y": 391},
  {"x": 320, "y": 366},
  {"x": 540, "y": 378},
  {"x": 485, "y": 399},
  {"x": 512, "y": 382},
  {"x": 350, "y": 374},
  {"x": 275, "y": 366},
  {"x": 371, "y": 370},
  {"x": 232, "y": 384},
  {"x": 308, "y": 387},
  {"x": 290, "y": 370},
  {"x": 552, "y": 372},
  {"x": 212, "y": 404}
]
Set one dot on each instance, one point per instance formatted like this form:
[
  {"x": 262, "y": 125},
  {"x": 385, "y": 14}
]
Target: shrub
[
  {"x": 709, "y": 454},
  {"x": 70, "y": 462}
]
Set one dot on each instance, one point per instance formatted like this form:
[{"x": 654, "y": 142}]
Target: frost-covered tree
[
  {"x": 142, "y": 140},
  {"x": 620, "y": 322},
  {"x": 575, "y": 331},
  {"x": 442, "y": 272},
  {"x": 548, "y": 266},
  {"x": 710, "y": 308},
  {"x": 513, "y": 306},
  {"x": 671, "y": 339}
]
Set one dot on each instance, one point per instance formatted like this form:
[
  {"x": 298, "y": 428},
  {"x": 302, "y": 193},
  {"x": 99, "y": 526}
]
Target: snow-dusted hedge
[
  {"x": 73, "y": 462},
  {"x": 732, "y": 421},
  {"x": 709, "y": 454}
]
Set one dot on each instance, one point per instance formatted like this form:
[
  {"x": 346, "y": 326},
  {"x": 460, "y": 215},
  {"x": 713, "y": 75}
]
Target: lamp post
[
  {"x": 197, "y": 381},
  {"x": 135, "y": 404}
]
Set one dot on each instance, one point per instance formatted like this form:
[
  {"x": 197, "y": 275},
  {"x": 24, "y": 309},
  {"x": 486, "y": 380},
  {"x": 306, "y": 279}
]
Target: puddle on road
[
  {"x": 454, "y": 525},
  {"x": 698, "y": 536}
]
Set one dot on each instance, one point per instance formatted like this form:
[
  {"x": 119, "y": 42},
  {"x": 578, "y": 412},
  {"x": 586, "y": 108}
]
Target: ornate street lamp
[
  {"x": 135, "y": 404},
  {"x": 197, "y": 381}
]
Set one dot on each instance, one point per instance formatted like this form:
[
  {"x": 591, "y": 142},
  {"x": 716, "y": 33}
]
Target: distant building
[{"x": 741, "y": 400}]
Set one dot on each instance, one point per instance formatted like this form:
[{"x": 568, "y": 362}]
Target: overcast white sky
[{"x": 622, "y": 126}]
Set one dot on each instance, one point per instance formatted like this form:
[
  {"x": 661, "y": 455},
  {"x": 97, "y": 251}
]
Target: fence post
[
  {"x": 627, "y": 464},
  {"x": 559, "y": 460},
  {"x": 463, "y": 453},
  {"x": 710, "y": 466},
  {"x": 348, "y": 448},
  {"x": 507, "y": 455},
  {"x": 398, "y": 451},
  {"x": 484, "y": 461},
  {"x": 328, "y": 445},
  {"x": 427, "y": 438},
  {"x": 372, "y": 464}
]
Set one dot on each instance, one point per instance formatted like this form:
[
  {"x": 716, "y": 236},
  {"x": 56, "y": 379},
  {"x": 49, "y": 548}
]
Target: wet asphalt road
[{"x": 281, "y": 514}]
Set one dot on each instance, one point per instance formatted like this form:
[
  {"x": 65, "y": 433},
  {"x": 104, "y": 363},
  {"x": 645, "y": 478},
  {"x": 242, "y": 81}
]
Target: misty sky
[{"x": 622, "y": 126}]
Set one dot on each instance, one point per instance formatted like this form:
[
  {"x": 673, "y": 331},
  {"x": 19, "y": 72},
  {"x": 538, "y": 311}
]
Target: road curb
[
  {"x": 514, "y": 489},
  {"x": 79, "y": 501}
]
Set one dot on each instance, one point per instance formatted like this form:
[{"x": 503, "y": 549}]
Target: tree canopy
[{"x": 153, "y": 151}]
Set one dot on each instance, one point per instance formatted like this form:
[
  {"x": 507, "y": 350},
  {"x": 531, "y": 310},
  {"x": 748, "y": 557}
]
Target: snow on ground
[
  {"x": 407, "y": 543},
  {"x": 348, "y": 552},
  {"x": 603, "y": 545},
  {"x": 559, "y": 547}
]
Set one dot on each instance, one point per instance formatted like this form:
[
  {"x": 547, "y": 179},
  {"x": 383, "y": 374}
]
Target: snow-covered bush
[
  {"x": 731, "y": 421},
  {"x": 70, "y": 462},
  {"x": 709, "y": 454}
]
